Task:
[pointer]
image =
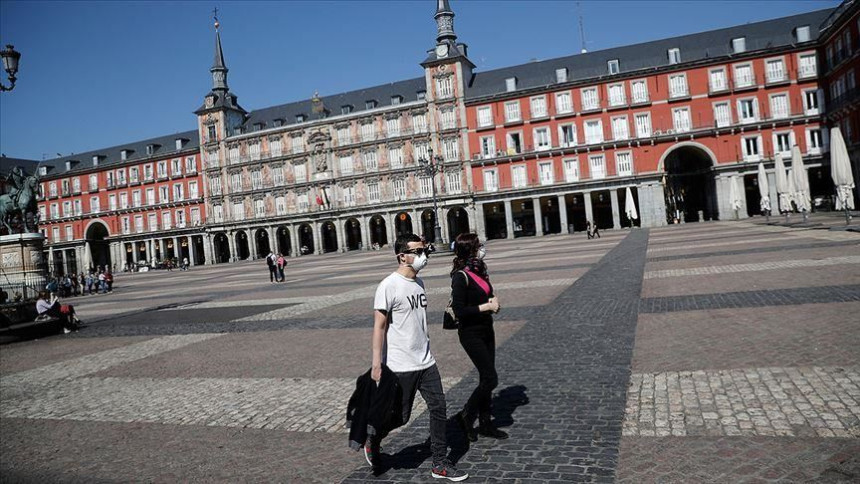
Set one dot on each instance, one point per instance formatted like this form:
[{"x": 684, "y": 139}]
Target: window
[
  {"x": 370, "y": 161},
  {"x": 371, "y": 104},
  {"x": 138, "y": 223},
  {"x": 810, "y": 102},
  {"x": 546, "y": 176},
  {"x": 399, "y": 189},
  {"x": 802, "y": 34},
  {"x": 739, "y": 45},
  {"x": 751, "y": 148},
  {"x": 236, "y": 182},
  {"x": 233, "y": 155},
  {"x": 613, "y": 67},
  {"x": 542, "y": 139},
  {"x": 452, "y": 182},
  {"x": 212, "y": 159},
  {"x": 94, "y": 182},
  {"x": 616, "y": 95},
  {"x": 620, "y": 129},
  {"x": 678, "y": 86},
  {"x": 126, "y": 225},
  {"x": 639, "y": 90},
  {"x": 152, "y": 221},
  {"x": 782, "y": 143},
  {"x": 485, "y": 116},
  {"x": 300, "y": 172},
  {"x": 748, "y": 110},
  {"x": 346, "y": 165},
  {"x": 512, "y": 111},
  {"x": 180, "y": 218},
  {"x": 368, "y": 131},
  {"x": 744, "y": 76},
  {"x": 420, "y": 95},
  {"x": 538, "y": 106},
  {"x": 297, "y": 144},
  {"x": 426, "y": 185},
  {"x": 561, "y": 75},
  {"x": 571, "y": 169},
  {"x": 135, "y": 198},
  {"x": 162, "y": 169},
  {"x": 420, "y": 151},
  {"x": 593, "y": 131},
  {"x": 450, "y": 149},
  {"x": 302, "y": 203},
  {"x": 150, "y": 196},
  {"x": 717, "y": 80},
  {"x": 300, "y": 118},
  {"x": 392, "y": 127},
  {"x": 218, "y": 213},
  {"x": 349, "y": 196},
  {"x": 280, "y": 205},
  {"x": 238, "y": 211},
  {"x": 123, "y": 200},
  {"x": 514, "y": 142},
  {"x": 215, "y": 185},
  {"x": 511, "y": 84},
  {"x": 563, "y": 103},
  {"x": 373, "y": 192},
  {"x": 345, "y": 109},
  {"x": 814, "y": 141},
  {"x": 259, "y": 208},
  {"x": 395, "y": 157},
  {"x": 488, "y": 146},
  {"x": 419, "y": 123},
  {"x": 211, "y": 134},
  {"x": 643, "y": 125},
  {"x": 623, "y": 163},
  {"x": 567, "y": 135},
  {"x": 55, "y": 210},
  {"x": 275, "y": 147},
  {"x": 193, "y": 193},
  {"x": 674, "y": 56},
  {"x": 176, "y": 166},
  {"x": 597, "y": 164},
  {"x": 55, "y": 234},
  {"x": 112, "y": 202},
  {"x": 518, "y": 176},
  {"x": 722, "y": 114},
  {"x": 444, "y": 87},
  {"x": 70, "y": 233},
  {"x": 76, "y": 185},
  {"x": 195, "y": 216},
  {"x": 491, "y": 180},
  {"x": 681, "y": 119},
  {"x": 807, "y": 65},
  {"x": 779, "y": 106},
  {"x": 164, "y": 194},
  {"x": 147, "y": 172},
  {"x": 178, "y": 192},
  {"x": 95, "y": 205},
  {"x": 448, "y": 119},
  {"x": 589, "y": 99},
  {"x": 78, "y": 208},
  {"x": 53, "y": 189},
  {"x": 256, "y": 180},
  {"x": 343, "y": 135},
  {"x": 395, "y": 100},
  {"x": 775, "y": 70}
]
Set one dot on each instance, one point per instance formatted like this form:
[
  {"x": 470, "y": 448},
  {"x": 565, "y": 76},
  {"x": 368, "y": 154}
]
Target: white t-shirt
[{"x": 407, "y": 342}]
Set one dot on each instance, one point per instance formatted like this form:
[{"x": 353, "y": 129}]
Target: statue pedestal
[{"x": 22, "y": 269}]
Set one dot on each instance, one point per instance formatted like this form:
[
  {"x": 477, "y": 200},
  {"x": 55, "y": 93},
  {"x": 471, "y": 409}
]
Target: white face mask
[
  {"x": 482, "y": 252},
  {"x": 419, "y": 262}
]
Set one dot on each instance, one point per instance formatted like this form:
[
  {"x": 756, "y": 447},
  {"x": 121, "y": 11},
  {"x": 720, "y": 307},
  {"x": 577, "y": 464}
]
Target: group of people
[
  {"x": 401, "y": 346},
  {"x": 99, "y": 280},
  {"x": 592, "y": 230},
  {"x": 276, "y": 264}
]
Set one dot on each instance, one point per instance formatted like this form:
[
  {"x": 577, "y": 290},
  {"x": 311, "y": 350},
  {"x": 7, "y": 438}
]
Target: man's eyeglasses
[{"x": 419, "y": 251}]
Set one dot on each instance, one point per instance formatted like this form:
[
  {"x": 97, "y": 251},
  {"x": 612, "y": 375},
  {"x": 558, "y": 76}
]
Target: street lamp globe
[{"x": 10, "y": 64}]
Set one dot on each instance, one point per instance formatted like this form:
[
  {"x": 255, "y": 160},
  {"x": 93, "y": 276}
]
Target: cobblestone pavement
[{"x": 715, "y": 352}]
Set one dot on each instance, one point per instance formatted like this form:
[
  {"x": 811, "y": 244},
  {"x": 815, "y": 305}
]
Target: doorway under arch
[
  {"x": 690, "y": 189},
  {"x": 458, "y": 222},
  {"x": 378, "y": 234},
  {"x": 222, "y": 248},
  {"x": 242, "y": 251},
  {"x": 96, "y": 235},
  {"x": 283, "y": 242},
  {"x": 402, "y": 224},
  {"x": 352, "y": 229},
  {"x": 306, "y": 239},
  {"x": 264, "y": 246},
  {"x": 428, "y": 225},
  {"x": 328, "y": 233}
]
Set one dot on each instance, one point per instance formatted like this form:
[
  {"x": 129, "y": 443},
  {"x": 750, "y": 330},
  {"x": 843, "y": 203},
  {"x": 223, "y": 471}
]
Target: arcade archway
[
  {"x": 428, "y": 225},
  {"x": 328, "y": 233},
  {"x": 458, "y": 222},
  {"x": 352, "y": 229},
  {"x": 96, "y": 235},
  {"x": 284, "y": 244},
  {"x": 222, "y": 248},
  {"x": 690, "y": 190},
  {"x": 261, "y": 238},
  {"x": 306, "y": 239},
  {"x": 378, "y": 234},
  {"x": 242, "y": 251},
  {"x": 402, "y": 224}
]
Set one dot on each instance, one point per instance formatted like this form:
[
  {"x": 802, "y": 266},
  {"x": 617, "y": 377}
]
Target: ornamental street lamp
[
  {"x": 430, "y": 166},
  {"x": 10, "y": 65}
]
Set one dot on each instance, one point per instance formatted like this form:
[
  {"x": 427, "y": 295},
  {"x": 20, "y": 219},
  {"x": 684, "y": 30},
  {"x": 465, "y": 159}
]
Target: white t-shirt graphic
[{"x": 407, "y": 342}]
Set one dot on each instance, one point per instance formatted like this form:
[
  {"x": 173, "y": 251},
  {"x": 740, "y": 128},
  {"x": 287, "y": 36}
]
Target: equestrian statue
[{"x": 19, "y": 205}]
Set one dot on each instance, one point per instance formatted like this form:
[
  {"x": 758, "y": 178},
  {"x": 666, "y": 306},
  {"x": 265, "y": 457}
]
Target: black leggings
[{"x": 480, "y": 345}]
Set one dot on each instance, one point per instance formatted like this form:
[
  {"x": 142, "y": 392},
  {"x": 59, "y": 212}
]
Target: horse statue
[{"x": 20, "y": 202}]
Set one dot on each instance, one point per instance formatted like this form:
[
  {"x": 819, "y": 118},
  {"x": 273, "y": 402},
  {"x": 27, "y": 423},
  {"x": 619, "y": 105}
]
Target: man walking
[
  {"x": 401, "y": 342},
  {"x": 270, "y": 261}
]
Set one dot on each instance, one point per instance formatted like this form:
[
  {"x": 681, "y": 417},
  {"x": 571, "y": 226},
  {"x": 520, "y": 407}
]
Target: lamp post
[
  {"x": 10, "y": 65},
  {"x": 431, "y": 166}
]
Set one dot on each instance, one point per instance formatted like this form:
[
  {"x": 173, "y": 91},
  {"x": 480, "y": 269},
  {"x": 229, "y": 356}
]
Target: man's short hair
[{"x": 402, "y": 242}]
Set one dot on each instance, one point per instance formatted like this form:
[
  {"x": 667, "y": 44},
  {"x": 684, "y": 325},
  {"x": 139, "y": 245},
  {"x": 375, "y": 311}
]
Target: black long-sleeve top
[{"x": 465, "y": 299}]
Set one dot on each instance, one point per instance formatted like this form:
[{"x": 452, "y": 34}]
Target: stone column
[
  {"x": 273, "y": 239},
  {"x": 509, "y": 220},
  {"x": 162, "y": 248},
  {"x": 192, "y": 259},
  {"x": 231, "y": 243},
  {"x": 134, "y": 253},
  {"x": 87, "y": 258},
  {"x": 317, "y": 238},
  {"x": 589, "y": 211},
  {"x": 616, "y": 216},
  {"x": 365, "y": 233},
  {"x": 207, "y": 249},
  {"x": 295, "y": 240},
  {"x": 476, "y": 217},
  {"x": 443, "y": 223},
  {"x": 724, "y": 204},
  {"x": 772, "y": 193},
  {"x": 562, "y": 213},
  {"x": 252, "y": 244},
  {"x": 391, "y": 229},
  {"x": 50, "y": 261},
  {"x": 538, "y": 214},
  {"x": 339, "y": 237}
]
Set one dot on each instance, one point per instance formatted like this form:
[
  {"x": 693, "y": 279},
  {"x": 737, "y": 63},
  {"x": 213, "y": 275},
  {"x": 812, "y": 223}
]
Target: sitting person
[{"x": 52, "y": 308}]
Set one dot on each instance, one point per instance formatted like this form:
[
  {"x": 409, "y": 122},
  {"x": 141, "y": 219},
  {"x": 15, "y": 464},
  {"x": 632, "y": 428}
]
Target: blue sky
[{"x": 98, "y": 74}]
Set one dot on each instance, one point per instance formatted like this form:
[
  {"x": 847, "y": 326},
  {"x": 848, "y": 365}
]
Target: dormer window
[
  {"x": 278, "y": 122},
  {"x": 613, "y": 67},
  {"x": 345, "y": 109},
  {"x": 370, "y": 104},
  {"x": 300, "y": 118},
  {"x": 802, "y": 34},
  {"x": 561, "y": 75},
  {"x": 96, "y": 159},
  {"x": 68, "y": 165},
  {"x": 43, "y": 170},
  {"x": 511, "y": 84},
  {"x": 395, "y": 100},
  {"x": 421, "y": 95},
  {"x": 674, "y": 55},
  {"x": 258, "y": 126},
  {"x": 123, "y": 155},
  {"x": 149, "y": 149},
  {"x": 739, "y": 45}
]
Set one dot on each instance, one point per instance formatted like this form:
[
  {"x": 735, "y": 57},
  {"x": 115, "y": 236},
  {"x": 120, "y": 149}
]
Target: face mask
[
  {"x": 482, "y": 252},
  {"x": 419, "y": 262}
]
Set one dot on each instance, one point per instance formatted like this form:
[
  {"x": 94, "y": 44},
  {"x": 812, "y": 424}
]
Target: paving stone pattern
[
  {"x": 754, "y": 250},
  {"x": 756, "y": 266},
  {"x": 751, "y": 299},
  {"x": 563, "y": 377}
]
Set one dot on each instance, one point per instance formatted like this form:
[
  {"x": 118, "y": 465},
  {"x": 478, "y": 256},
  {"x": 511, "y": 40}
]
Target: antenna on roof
[{"x": 581, "y": 29}]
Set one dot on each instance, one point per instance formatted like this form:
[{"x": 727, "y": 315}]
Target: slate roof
[
  {"x": 6, "y": 165},
  {"x": 649, "y": 55},
  {"x": 57, "y": 166}
]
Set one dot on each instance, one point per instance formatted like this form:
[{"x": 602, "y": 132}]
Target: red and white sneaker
[{"x": 447, "y": 470}]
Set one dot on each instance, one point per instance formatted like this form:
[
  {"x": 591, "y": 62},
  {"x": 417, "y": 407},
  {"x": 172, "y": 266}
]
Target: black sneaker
[
  {"x": 448, "y": 471},
  {"x": 469, "y": 430},
  {"x": 490, "y": 430},
  {"x": 372, "y": 454}
]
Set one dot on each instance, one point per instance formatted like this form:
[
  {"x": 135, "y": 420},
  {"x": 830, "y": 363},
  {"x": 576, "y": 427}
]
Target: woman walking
[{"x": 474, "y": 304}]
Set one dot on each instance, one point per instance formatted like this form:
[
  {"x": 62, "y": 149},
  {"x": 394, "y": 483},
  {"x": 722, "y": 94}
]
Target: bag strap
[{"x": 479, "y": 281}]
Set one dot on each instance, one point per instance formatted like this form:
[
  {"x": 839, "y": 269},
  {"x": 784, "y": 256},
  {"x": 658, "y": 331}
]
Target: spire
[
  {"x": 219, "y": 68},
  {"x": 444, "y": 22}
]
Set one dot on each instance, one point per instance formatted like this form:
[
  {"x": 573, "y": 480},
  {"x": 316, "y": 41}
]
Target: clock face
[{"x": 441, "y": 50}]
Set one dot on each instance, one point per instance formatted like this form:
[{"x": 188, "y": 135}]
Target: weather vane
[{"x": 215, "y": 16}]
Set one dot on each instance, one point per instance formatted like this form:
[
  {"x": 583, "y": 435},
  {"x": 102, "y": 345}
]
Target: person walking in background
[
  {"x": 89, "y": 282},
  {"x": 271, "y": 260},
  {"x": 108, "y": 280},
  {"x": 102, "y": 286},
  {"x": 595, "y": 231},
  {"x": 474, "y": 304},
  {"x": 280, "y": 263},
  {"x": 402, "y": 343}
]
